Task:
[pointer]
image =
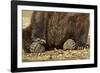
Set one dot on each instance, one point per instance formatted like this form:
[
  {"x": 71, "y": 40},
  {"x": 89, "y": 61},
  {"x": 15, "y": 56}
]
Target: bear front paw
[{"x": 37, "y": 46}]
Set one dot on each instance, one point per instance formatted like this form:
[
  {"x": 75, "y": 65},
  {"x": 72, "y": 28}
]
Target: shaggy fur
[{"x": 57, "y": 27}]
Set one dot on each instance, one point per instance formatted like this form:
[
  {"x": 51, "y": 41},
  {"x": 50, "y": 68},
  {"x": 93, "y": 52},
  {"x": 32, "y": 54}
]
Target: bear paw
[{"x": 37, "y": 47}]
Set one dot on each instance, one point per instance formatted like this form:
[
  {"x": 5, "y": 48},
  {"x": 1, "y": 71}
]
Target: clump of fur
[{"x": 26, "y": 38}]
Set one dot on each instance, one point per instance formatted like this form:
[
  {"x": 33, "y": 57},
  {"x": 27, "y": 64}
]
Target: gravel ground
[{"x": 56, "y": 55}]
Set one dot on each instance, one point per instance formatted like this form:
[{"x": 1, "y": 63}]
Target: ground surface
[{"x": 56, "y": 55}]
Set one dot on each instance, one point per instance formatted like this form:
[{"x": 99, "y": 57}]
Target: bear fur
[{"x": 57, "y": 27}]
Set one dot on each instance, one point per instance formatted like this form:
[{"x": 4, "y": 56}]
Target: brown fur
[
  {"x": 26, "y": 38},
  {"x": 57, "y": 27}
]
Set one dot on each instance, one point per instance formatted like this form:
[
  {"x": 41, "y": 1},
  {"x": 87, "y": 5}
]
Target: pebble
[{"x": 69, "y": 44}]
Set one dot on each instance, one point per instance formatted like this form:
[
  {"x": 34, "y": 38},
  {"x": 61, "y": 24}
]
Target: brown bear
[{"x": 57, "y": 27}]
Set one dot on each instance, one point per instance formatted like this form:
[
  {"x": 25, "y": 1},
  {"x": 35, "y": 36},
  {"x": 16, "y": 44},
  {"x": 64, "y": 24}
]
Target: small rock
[{"x": 69, "y": 44}]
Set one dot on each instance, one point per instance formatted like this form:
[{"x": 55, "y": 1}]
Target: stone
[{"x": 69, "y": 44}]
